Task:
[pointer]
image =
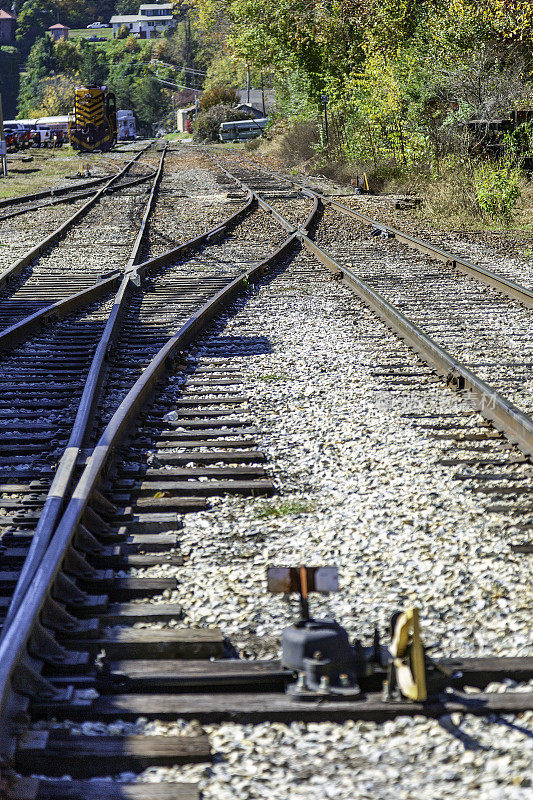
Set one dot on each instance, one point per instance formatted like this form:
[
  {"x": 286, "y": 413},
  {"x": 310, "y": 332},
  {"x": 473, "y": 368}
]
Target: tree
[
  {"x": 34, "y": 19},
  {"x": 40, "y": 64},
  {"x": 218, "y": 95},
  {"x": 67, "y": 56},
  {"x": 9, "y": 80},
  {"x": 151, "y": 102},
  {"x": 94, "y": 67},
  {"x": 127, "y": 6},
  {"x": 58, "y": 95}
]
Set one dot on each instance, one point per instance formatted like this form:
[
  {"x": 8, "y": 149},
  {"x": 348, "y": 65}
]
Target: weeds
[
  {"x": 284, "y": 509},
  {"x": 272, "y": 378}
]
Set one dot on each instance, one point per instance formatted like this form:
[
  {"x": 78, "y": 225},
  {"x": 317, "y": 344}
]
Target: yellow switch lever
[{"x": 407, "y": 651}]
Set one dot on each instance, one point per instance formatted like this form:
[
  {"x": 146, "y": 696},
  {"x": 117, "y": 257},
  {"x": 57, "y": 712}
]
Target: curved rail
[
  {"x": 62, "y": 480},
  {"x": 53, "y": 237},
  {"x": 510, "y": 420},
  {"x": 486, "y": 276},
  {"x": 74, "y": 196},
  {"x": 19, "y": 672}
]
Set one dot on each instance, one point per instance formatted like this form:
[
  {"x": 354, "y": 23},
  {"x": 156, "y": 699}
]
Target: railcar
[
  {"x": 126, "y": 125},
  {"x": 93, "y": 125},
  {"x": 241, "y": 129}
]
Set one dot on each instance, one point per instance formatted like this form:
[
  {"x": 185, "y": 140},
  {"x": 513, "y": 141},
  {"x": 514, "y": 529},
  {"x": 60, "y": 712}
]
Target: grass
[
  {"x": 177, "y": 137},
  {"x": 84, "y": 33},
  {"x": 45, "y": 170},
  {"x": 272, "y": 378},
  {"x": 283, "y": 508}
]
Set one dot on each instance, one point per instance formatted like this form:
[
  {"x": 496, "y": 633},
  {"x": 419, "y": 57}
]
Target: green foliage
[
  {"x": 497, "y": 190},
  {"x": 94, "y": 66},
  {"x": 205, "y": 129},
  {"x": 150, "y": 103},
  {"x": 123, "y": 32},
  {"x": 67, "y": 56},
  {"x": 283, "y": 508},
  {"x": 40, "y": 64},
  {"x": 127, "y": 6},
  {"x": 9, "y": 80},
  {"x": 34, "y": 19},
  {"x": 218, "y": 95}
]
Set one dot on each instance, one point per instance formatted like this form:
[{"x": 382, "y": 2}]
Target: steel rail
[
  {"x": 506, "y": 417},
  {"x": 58, "y": 191},
  {"x": 58, "y": 492},
  {"x": 507, "y": 287},
  {"x": 74, "y": 196},
  {"x": 53, "y": 237},
  {"x": 22, "y": 329},
  {"x": 14, "y": 657}
]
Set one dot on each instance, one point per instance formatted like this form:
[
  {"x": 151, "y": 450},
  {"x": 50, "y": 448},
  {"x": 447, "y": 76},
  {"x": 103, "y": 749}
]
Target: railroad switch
[{"x": 319, "y": 652}]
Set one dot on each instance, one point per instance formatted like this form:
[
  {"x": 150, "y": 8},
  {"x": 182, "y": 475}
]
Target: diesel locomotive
[{"x": 93, "y": 125}]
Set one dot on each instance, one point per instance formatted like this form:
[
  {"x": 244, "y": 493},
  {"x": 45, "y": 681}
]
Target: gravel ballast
[{"x": 360, "y": 488}]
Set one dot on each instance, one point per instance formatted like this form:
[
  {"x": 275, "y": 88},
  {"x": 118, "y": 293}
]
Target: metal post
[
  {"x": 325, "y": 99},
  {"x": 3, "y": 151}
]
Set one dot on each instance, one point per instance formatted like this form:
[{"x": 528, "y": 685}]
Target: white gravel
[{"x": 360, "y": 488}]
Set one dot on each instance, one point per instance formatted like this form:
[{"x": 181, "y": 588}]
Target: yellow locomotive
[{"x": 93, "y": 125}]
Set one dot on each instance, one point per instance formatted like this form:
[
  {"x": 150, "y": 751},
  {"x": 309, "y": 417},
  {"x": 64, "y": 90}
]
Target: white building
[{"x": 150, "y": 22}]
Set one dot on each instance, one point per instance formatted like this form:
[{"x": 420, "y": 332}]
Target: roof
[
  {"x": 250, "y": 109},
  {"x": 156, "y": 5},
  {"x": 58, "y": 26},
  {"x": 120, "y": 18},
  {"x": 256, "y": 98},
  {"x": 6, "y": 14}
]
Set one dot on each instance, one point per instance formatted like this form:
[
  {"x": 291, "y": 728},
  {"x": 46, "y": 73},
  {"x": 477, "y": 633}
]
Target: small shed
[
  {"x": 181, "y": 117},
  {"x": 58, "y": 31},
  {"x": 8, "y": 23}
]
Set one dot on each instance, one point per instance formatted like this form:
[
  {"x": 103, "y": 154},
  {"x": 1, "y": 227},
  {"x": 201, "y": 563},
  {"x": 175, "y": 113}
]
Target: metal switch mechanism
[{"x": 319, "y": 652}]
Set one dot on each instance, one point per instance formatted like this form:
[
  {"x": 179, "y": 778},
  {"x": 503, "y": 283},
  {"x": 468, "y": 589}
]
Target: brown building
[
  {"x": 58, "y": 31},
  {"x": 8, "y": 23}
]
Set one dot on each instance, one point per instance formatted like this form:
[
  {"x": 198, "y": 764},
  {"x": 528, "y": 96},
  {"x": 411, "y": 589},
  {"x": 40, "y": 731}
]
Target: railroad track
[
  {"x": 171, "y": 429},
  {"x": 435, "y": 300},
  {"x": 51, "y": 270},
  {"x": 71, "y": 194},
  {"x": 153, "y": 310}
]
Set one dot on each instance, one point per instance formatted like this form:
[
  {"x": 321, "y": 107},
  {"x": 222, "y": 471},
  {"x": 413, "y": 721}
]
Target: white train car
[
  {"x": 53, "y": 123},
  {"x": 242, "y": 129},
  {"x": 126, "y": 125}
]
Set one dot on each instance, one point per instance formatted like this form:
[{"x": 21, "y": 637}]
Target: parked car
[
  {"x": 97, "y": 25},
  {"x": 11, "y": 139},
  {"x": 19, "y": 132},
  {"x": 44, "y": 137}
]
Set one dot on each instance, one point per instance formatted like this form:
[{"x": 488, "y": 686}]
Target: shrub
[
  {"x": 218, "y": 95},
  {"x": 205, "y": 129},
  {"x": 497, "y": 190},
  {"x": 294, "y": 142}
]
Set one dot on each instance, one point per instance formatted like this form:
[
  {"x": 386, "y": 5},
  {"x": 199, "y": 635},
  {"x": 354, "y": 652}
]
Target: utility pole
[
  {"x": 3, "y": 151},
  {"x": 248, "y": 83},
  {"x": 325, "y": 99},
  {"x": 263, "y": 94}
]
